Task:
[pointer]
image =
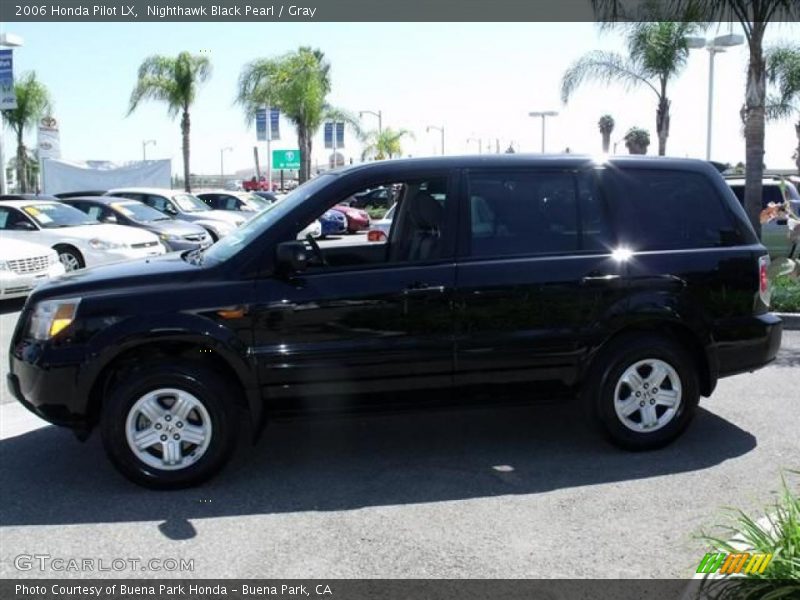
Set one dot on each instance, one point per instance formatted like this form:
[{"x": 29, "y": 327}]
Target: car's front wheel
[
  {"x": 644, "y": 391},
  {"x": 169, "y": 425}
]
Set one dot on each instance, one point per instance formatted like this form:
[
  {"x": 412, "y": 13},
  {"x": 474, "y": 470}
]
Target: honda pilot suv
[{"x": 631, "y": 285}]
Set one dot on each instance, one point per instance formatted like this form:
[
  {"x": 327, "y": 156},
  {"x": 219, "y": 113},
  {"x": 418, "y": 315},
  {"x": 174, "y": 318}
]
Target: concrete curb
[{"x": 791, "y": 321}]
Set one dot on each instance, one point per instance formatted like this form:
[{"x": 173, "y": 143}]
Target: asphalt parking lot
[{"x": 511, "y": 492}]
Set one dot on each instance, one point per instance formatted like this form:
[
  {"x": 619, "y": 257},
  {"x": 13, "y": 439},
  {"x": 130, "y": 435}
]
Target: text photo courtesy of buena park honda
[{"x": 365, "y": 298}]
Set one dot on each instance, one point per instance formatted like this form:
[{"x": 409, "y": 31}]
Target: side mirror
[
  {"x": 109, "y": 219},
  {"x": 170, "y": 210},
  {"x": 24, "y": 226},
  {"x": 292, "y": 257}
]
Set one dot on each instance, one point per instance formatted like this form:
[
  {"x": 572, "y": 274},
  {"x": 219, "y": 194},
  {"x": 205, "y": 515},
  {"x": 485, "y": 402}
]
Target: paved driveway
[{"x": 512, "y": 492}]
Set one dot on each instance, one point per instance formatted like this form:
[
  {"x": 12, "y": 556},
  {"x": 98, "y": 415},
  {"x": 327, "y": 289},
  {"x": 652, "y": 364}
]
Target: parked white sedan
[
  {"x": 79, "y": 240},
  {"x": 23, "y": 266}
]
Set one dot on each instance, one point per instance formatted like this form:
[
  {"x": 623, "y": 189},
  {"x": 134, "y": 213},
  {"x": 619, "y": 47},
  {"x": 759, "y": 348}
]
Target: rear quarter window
[{"x": 668, "y": 210}]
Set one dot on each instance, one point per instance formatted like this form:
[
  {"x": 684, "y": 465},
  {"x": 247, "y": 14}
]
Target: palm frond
[{"x": 605, "y": 67}]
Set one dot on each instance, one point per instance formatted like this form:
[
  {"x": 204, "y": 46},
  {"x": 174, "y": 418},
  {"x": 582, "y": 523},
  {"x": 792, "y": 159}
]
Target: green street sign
[{"x": 286, "y": 159}]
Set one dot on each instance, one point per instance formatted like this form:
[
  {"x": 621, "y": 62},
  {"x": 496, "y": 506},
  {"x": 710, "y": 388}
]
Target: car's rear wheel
[
  {"x": 169, "y": 425},
  {"x": 70, "y": 257},
  {"x": 643, "y": 391}
]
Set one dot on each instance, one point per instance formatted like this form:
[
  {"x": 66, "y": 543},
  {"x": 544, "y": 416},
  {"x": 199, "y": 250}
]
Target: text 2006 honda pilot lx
[{"x": 634, "y": 283}]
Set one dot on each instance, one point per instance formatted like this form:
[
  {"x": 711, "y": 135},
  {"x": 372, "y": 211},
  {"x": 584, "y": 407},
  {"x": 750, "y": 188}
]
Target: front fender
[{"x": 134, "y": 332}]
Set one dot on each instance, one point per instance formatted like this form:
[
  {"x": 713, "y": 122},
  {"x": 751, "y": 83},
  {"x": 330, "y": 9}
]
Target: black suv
[{"x": 634, "y": 284}]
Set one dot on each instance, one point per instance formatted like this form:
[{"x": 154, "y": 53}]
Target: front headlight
[
  {"x": 168, "y": 237},
  {"x": 98, "y": 244},
  {"x": 51, "y": 317},
  {"x": 3, "y": 265}
]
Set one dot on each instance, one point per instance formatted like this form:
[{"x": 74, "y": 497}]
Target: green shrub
[{"x": 375, "y": 213}]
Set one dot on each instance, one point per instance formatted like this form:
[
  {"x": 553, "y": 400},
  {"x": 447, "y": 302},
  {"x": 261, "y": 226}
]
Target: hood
[
  {"x": 113, "y": 277},
  {"x": 174, "y": 227},
  {"x": 228, "y": 216},
  {"x": 16, "y": 250},
  {"x": 114, "y": 233}
]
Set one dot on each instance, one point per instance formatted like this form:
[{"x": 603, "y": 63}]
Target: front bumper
[
  {"x": 747, "y": 344},
  {"x": 15, "y": 285}
]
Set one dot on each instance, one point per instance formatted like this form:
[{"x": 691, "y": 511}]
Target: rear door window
[
  {"x": 667, "y": 210},
  {"x": 518, "y": 213}
]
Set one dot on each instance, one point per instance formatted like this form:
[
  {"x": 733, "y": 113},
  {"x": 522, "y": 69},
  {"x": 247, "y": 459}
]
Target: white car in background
[
  {"x": 379, "y": 230},
  {"x": 23, "y": 266},
  {"x": 79, "y": 240}
]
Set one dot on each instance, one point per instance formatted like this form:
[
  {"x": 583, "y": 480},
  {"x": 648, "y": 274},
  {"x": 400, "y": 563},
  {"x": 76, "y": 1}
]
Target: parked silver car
[{"x": 185, "y": 207}]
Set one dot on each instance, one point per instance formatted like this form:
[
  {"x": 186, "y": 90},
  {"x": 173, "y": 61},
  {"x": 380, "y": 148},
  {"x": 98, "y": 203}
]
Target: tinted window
[
  {"x": 523, "y": 213},
  {"x": 663, "y": 210},
  {"x": 596, "y": 235}
]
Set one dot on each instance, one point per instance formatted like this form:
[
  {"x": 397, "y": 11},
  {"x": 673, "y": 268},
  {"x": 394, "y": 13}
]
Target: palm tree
[
  {"x": 386, "y": 143},
  {"x": 606, "y": 126},
  {"x": 637, "y": 140},
  {"x": 33, "y": 102},
  {"x": 783, "y": 73},
  {"x": 657, "y": 51},
  {"x": 174, "y": 81},
  {"x": 754, "y": 16},
  {"x": 297, "y": 84}
]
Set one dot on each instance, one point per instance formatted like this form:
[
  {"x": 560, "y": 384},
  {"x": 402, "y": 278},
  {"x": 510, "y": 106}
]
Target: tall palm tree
[
  {"x": 606, "y": 126},
  {"x": 657, "y": 52},
  {"x": 783, "y": 73},
  {"x": 386, "y": 143},
  {"x": 33, "y": 102},
  {"x": 174, "y": 81},
  {"x": 297, "y": 84},
  {"x": 754, "y": 16}
]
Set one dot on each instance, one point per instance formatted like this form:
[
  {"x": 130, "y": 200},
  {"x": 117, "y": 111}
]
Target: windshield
[
  {"x": 52, "y": 215},
  {"x": 232, "y": 243},
  {"x": 189, "y": 203},
  {"x": 136, "y": 211},
  {"x": 255, "y": 202}
]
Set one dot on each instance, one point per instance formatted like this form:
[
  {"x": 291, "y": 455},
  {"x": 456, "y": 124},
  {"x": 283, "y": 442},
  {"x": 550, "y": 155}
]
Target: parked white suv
[
  {"x": 23, "y": 266},
  {"x": 79, "y": 240}
]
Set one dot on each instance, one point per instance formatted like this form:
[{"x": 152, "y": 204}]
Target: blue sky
[{"x": 476, "y": 79}]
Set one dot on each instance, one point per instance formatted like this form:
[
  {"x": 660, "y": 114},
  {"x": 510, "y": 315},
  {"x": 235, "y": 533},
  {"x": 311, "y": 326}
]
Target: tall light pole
[
  {"x": 714, "y": 47},
  {"x": 480, "y": 143},
  {"x": 378, "y": 114},
  {"x": 7, "y": 40},
  {"x": 145, "y": 144},
  {"x": 222, "y": 152},
  {"x": 439, "y": 129},
  {"x": 543, "y": 114}
]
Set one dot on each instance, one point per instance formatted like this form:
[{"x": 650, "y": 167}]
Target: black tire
[
  {"x": 70, "y": 255},
  {"x": 205, "y": 385},
  {"x": 609, "y": 366}
]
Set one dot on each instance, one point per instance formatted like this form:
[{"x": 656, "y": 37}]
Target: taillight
[
  {"x": 764, "y": 291},
  {"x": 376, "y": 235}
]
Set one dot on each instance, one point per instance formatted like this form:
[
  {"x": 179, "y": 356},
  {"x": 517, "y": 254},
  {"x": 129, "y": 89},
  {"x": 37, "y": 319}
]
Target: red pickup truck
[{"x": 256, "y": 185}]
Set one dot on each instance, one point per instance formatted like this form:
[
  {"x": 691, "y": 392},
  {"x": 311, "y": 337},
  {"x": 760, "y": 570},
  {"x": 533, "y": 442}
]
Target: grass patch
[
  {"x": 785, "y": 294},
  {"x": 778, "y": 534}
]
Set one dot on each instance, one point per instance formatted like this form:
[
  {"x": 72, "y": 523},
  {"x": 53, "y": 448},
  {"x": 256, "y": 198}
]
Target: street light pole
[
  {"x": 714, "y": 47},
  {"x": 480, "y": 143},
  {"x": 440, "y": 129},
  {"x": 145, "y": 143},
  {"x": 222, "y": 152},
  {"x": 543, "y": 114},
  {"x": 378, "y": 114}
]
